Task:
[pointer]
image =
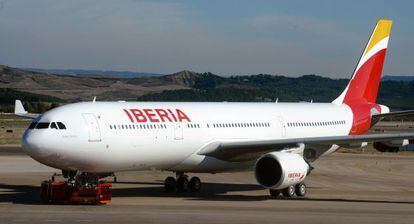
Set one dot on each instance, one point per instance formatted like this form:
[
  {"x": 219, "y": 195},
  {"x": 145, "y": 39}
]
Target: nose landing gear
[{"x": 182, "y": 184}]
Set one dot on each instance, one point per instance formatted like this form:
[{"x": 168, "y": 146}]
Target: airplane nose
[
  {"x": 30, "y": 142},
  {"x": 36, "y": 145}
]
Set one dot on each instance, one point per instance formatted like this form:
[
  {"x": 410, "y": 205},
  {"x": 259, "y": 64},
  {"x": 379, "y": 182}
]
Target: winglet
[{"x": 18, "y": 108}]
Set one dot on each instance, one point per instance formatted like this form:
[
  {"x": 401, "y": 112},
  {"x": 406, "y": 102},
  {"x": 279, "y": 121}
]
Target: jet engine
[
  {"x": 278, "y": 170},
  {"x": 390, "y": 146}
]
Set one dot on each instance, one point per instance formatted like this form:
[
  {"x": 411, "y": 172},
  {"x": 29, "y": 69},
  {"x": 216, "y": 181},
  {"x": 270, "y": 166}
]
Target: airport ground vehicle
[{"x": 84, "y": 189}]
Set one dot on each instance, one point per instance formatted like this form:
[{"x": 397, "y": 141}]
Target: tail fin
[
  {"x": 18, "y": 108},
  {"x": 364, "y": 83}
]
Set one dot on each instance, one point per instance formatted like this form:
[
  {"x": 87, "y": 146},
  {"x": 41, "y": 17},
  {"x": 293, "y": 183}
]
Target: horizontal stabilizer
[{"x": 393, "y": 114}]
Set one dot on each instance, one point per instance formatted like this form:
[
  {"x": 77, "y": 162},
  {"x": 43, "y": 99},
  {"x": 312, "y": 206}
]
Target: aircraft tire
[
  {"x": 195, "y": 184},
  {"x": 289, "y": 192},
  {"x": 170, "y": 184},
  {"x": 182, "y": 184},
  {"x": 275, "y": 193},
  {"x": 300, "y": 189}
]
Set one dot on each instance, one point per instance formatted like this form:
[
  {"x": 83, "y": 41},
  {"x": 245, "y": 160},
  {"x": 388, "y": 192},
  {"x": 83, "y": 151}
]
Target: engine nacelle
[
  {"x": 278, "y": 170},
  {"x": 390, "y": 146}
]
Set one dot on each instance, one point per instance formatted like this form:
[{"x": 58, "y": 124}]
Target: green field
[{"x": 12, "y": 129}]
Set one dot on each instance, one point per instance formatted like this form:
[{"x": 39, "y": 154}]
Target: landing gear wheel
[
  {"x": 289, "y": 191},
  {"x": 170, "y": 184},
  {"x": 195, "y": 184},
  {"x": 275, "y": 193},
  {"x": 182, "y": 184},
  {"x": 300, "y": 189}
]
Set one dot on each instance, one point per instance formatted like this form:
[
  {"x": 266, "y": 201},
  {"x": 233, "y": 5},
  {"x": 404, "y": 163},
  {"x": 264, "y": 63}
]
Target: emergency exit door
[
  {"x": 93, "y": 127},
  {"x": 282, "y": 126},
  {"x": 178, "y": 131}
]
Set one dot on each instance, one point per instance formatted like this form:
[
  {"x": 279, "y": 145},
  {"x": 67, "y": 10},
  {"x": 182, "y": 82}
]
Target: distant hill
[
  {"x": 79, "y": 88},
  {"x": 264, "y": 88},
  {"x": 83, "y": 72},
  {"x": 398, "y": 78},
  {"x": 188, "y": 86}
]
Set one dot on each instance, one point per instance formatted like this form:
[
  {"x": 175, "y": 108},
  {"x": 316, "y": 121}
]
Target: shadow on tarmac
[
  {"x": 19, "y": 194},
  {"x": 26, "y": 194}
]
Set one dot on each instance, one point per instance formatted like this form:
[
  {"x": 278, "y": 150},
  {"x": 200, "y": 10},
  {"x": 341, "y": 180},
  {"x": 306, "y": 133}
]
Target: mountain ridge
[
  {"x": 192, "y": 86},
  {"x": 92, "y": 72}
]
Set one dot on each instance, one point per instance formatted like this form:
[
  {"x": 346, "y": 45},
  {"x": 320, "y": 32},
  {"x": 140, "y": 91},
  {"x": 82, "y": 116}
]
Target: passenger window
[
  {"x": 42, "y": 125},
  {"x": 53, "y": 125},
  {"x": 61, "y": 125},
  {"x": 32, "y": 125}
]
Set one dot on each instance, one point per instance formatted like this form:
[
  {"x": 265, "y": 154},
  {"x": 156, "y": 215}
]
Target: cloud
[
  {"x": 166, "y": 36},
  {"x": 2, "y": 5},
  {"x": 295, "y": 23}
]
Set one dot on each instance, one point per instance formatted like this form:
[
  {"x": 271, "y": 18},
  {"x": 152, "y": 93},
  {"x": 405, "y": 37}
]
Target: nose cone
[
  {"x": 32, "y": 143},
  {"x": 36, "y": 144}
]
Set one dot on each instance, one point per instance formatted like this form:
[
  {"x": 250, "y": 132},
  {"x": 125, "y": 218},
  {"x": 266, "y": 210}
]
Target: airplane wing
[
  {"x": 250, "y": 149},
  {"x": 21, "y": 112}
]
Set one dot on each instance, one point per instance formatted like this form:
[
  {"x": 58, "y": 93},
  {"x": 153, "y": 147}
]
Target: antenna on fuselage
[
  {"x": 94, "y": 99},
  {"x": 277, "y": 100}
]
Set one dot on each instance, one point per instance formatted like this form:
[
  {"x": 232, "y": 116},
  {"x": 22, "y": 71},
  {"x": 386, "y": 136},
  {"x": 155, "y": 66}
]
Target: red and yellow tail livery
[
  {"x": 364, "y": 84},
  {"x": 362, "y": 90}
]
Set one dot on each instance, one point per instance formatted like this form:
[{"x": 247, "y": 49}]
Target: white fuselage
[{"x": 109, "y": 137}]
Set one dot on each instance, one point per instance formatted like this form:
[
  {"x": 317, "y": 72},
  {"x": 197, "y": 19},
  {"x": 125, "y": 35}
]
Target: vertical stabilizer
[{"x": 364, "y": 83}]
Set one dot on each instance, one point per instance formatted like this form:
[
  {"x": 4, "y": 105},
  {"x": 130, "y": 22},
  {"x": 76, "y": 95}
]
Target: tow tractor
[{"x": 85, "y": 188}]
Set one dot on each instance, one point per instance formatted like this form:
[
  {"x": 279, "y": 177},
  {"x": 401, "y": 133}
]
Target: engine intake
[{"x": 278, "y": 170}]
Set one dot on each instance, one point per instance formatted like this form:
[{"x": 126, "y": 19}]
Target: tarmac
[{"x": 343, "y": 188}]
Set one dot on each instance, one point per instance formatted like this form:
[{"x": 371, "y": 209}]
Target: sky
[{"x": 226, "y": 37}]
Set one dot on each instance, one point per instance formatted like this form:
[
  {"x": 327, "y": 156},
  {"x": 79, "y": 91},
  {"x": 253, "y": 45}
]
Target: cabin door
[
  {"x": 93, "y": 127},
  {"x": 282, "y": 126},
  {"x": 178, "y": 131}
]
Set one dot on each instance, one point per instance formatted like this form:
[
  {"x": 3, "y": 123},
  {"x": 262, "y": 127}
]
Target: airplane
[{"x": 279, "y": 141}]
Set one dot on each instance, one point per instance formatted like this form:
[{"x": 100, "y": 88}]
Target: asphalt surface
[{"x": 344, "y": 188}]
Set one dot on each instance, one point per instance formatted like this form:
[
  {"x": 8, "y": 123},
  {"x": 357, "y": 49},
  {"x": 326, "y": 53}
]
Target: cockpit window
[
  {"x": 61, "y": 125},
  {"x": 32, "y": 125},
  {"x": 42, "y": 125},
  {"x": 53, "y": 125}
]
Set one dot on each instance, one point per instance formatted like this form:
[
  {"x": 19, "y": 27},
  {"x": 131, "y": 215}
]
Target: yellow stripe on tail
[{"x": 381, "y": 31}]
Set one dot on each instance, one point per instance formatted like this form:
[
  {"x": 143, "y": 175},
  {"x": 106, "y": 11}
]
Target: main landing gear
[
  {"x": 182, "y": 184},
  {"x": 292, "y": 191}
]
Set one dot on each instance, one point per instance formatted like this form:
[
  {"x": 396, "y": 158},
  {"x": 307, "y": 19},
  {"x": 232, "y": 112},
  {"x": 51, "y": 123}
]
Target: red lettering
[
  {"x": 182, "y": 116},
  {"x": 172, "y": 115},
  {"x": 150, "y": 114},
  {"x": 163, "y": 114},
  {"x": 129, "y": 115},
  {"x": 156, "y": 115},
  {"x": 139, "y": 116}
]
